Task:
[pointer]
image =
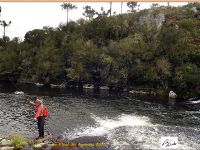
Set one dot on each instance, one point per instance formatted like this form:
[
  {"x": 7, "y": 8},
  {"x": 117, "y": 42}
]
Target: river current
[{"x": 123, "y": 121}]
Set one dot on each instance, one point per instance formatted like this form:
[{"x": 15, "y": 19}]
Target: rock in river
[{"x": 172, "y": 94}]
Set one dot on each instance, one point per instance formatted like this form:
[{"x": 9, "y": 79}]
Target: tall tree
[
  {"x": 121, "y": 6},
  {"x": 68, "y": 7},
  {"x": 103, "y": 13},
  {"x": 89, "y": 12},
  {"x": 155, "y": 5},
  {"x": 132, "y": 5},
  {"x": 4, "y": 24},
  {"x": 0, "y": 10},
  {"x": 110, "y": 8}
]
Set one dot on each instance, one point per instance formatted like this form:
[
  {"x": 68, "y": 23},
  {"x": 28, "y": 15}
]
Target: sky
[{"x": 26, "y": 16}]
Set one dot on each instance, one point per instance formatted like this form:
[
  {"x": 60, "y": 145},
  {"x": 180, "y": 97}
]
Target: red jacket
[{"x": 38, "y": 111}]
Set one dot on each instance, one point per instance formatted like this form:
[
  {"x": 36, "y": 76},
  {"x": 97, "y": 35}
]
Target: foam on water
[
  {"x": 122, "y": 120},
  {"x": 129, "y": 131},
  {"x": 195, "y": 102},
  {"x": 105, "y": 126}
]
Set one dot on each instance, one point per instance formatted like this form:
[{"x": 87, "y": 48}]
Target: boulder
[
  {"x": 5, "y": 142},
  {"x": 194, "y": 9},
  {"x": 39, "y": 145},
  {"x": 150, "y": 19},
  {"x": 172, "y": 94}
]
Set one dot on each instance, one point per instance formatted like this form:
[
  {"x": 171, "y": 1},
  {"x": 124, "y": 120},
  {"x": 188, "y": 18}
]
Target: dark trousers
[{"x": 41, "y": 126}]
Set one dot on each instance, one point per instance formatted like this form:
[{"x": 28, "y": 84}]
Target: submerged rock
[
  {"x": 142, "y": 92},
  {"x": 104, "y": 88},
  {"x": 194, "y": 98},
  {"x": 57, "y": 85},
  {"x": 88, "y": 86},
  {"x": 89, "y": 139},
  {"x": 19, "y": 92},
  {"x": 39, "y": 84}
]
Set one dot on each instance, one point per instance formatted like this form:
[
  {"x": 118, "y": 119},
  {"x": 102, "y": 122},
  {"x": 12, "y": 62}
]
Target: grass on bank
[{"x": 17, "y": 141}]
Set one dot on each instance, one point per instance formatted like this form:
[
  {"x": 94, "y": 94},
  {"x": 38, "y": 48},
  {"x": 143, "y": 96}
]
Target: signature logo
[{"x": 169, "y": 142}]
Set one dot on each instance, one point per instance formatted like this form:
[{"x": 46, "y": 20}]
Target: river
[{"x": 123, "y": 121}]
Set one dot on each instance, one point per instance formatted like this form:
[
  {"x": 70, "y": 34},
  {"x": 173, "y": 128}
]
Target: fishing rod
[
  {"x": 13, "y": 83},
  {"x": 49, "y": 130}
]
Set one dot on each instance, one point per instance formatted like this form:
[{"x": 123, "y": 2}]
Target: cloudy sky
[{"x": 26, "y": 16}]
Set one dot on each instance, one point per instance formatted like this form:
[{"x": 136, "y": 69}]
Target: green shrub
[
  {"x": 18, "y": 141},
  {"x": 188, "y": 24}
]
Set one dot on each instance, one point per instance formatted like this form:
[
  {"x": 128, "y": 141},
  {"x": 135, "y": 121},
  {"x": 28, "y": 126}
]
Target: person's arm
[
  {"x": 38, "y": 112},
  {"x": 32, "y": 103}
]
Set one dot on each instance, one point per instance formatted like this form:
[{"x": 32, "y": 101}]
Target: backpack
[{"x": 45, "y": 111}]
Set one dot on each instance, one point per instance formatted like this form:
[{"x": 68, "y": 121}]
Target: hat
[{"x": 40, "y": 101}]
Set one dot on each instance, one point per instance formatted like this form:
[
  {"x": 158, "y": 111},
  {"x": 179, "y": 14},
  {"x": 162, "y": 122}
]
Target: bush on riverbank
[
  {"x": 12, "y": 142},
  {"x": 157, "y": 48},
  {"x": 18, "y": 141}
]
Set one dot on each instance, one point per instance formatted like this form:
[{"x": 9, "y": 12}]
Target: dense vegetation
[{"x": 126, "y": 50}]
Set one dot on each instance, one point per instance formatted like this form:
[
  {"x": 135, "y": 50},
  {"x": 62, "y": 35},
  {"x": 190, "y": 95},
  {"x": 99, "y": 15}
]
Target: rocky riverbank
[
  {"x": 13, "y": 142},
  {"x": 18, "y": 142},
  {"x": 131, "y": 90}
]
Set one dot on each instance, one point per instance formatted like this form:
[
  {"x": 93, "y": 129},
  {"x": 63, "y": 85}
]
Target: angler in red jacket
[{"x": 39, "y": 116}]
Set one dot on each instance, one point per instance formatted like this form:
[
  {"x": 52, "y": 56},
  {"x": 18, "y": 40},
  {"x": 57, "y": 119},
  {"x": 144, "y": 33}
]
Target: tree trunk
[
  {"x": 4, "y": 31},
  {"x": 121, "y": 6},
  {"x": 110, "y": 8},
  {"x": 67, "y": 15}
]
